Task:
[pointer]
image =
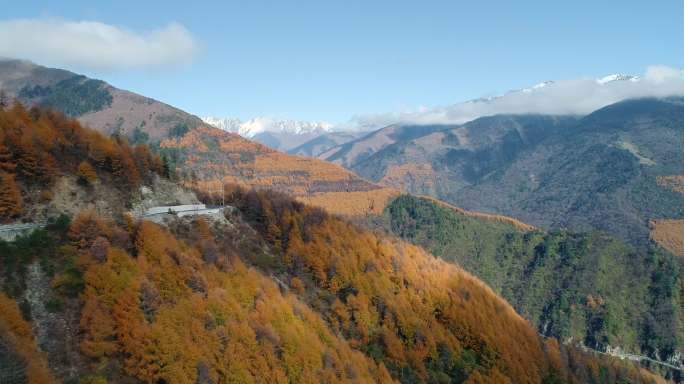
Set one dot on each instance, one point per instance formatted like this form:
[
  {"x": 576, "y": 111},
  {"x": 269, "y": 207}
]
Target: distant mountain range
[
  {"x": 548, "y": 97},
  {"x": 253, "y": 127},
  {"x": 599, "y": 171},
  {"x": 282, "y": 135},
  {"x": 565, "y": 97}
]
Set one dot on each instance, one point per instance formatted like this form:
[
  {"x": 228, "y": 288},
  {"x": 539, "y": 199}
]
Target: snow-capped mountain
[
  {"x": 253, "y": 127},
  {"x": 278, "y": 134},
  {"x": 561, "y": 97},
  {"x": 224, "y": 123},
  {"x": 550, "y": 83},
  {"x": 617, "y": 77}
]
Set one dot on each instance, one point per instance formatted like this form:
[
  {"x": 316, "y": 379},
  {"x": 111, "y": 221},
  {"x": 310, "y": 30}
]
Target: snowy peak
[
  {"x": 258, "y": 125},
  {"x": 617, "y": 77},
  {"x": 601, "y": 81},
  {"x": 543, "y": 84},
  {"x": 226, "y": 124},
  {"x": 550, "y": 83}
]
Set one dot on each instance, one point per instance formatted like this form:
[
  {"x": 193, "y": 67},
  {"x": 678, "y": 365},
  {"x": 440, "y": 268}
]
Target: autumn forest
[{"x": 272, "y": 291}]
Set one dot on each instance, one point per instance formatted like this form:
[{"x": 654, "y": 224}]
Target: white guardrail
[
  {"x": 9, "y": 232},
  {"x": 180, "y": 210}
]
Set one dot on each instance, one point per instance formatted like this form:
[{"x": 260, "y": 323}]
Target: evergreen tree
[{"x": 166, "y": 167}]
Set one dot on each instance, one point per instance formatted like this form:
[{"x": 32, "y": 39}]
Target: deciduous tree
[{"x": 10, "y": 197}]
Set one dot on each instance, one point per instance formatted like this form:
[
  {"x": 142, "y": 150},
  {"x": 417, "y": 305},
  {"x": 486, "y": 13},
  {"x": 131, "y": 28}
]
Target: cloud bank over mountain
[
  {"x": 92, "y": 45},
  {"x": 567, "y": 97}
]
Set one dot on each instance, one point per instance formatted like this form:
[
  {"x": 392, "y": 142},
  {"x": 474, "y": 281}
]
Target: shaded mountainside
[
  {"x": 360, "y": 149},
  {"x": 284, "y": 141},
  {"x": 603, "y": 174},
  {"x": 274, "y": 291},
  {"x": 598, "y": 172},
  {"x": 203, "y": 155},
  {"x": 438, "y": 160},
  {"x": 323, "y": 142},
  {"x": 94, "y": 102},
  {"x": 588, "y": 288}
]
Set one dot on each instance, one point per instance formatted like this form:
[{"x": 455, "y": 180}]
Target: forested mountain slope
[
  {"x": 579, "y": 287},
  {"x": 274, "y": 291}
]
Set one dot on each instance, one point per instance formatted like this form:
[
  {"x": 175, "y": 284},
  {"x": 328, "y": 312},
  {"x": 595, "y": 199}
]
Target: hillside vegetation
[
  {"x": 185, "y": 306},
  {"x": 587, "y": 288},
  {"x": 38, "y": 146}
]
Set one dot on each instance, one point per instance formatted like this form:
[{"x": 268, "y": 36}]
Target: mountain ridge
[{"x": 598, "y": 171}]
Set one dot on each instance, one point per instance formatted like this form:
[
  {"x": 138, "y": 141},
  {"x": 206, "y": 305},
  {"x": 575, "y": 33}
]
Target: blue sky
[{"x": 330, "y": 60}]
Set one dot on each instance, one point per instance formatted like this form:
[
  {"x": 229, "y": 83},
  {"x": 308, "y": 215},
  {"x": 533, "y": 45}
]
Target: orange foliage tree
[
  {"x": 16, "y": 333},
  {"x": 86, "y": 173},
  {"x": 32, "y": 140},
  {"x": 10, "y": 197},
  {"x": 171, "y": 316}
]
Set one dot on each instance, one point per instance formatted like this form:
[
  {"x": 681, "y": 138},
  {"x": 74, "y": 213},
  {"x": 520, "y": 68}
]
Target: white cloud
[
  {"x": 95, "y": 46},
  {"x": 568, "y": 97}
]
